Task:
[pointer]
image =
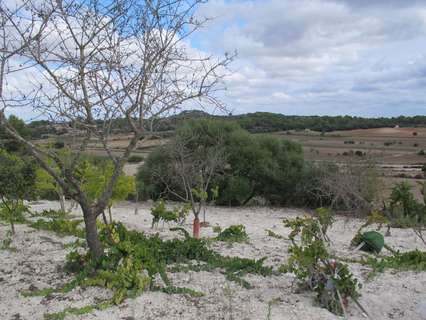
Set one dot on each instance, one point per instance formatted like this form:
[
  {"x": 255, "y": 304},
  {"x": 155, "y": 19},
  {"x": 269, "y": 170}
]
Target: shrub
[
  {"x": 389, "y": 143},
  {"x": 59, "y": 144},
  {"x": 312, "y": 265},
  {"x": 216, "y": 229},
  {"x": 421, "y": 152},
  {"x": 135, "y": 159},
  {"x": 60, "y": 226},
  {"x": 406, "y": 211},
  {"x": 131, "y": 263},
  {"x": 256, "y": 165},
  {"x": 17, "y": 179},
  {"x": 234, "y": 233},
  {"x": 159, "y": 213}
]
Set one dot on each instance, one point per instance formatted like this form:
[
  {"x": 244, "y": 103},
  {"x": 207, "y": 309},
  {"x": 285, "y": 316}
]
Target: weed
[
  {"x": 52, "y": 214},
  {"x": 216, "y": 229},
  {"x": 159, "y": 213},
  {"x": 235, "y": 233},
  {"x": 6, "y": 244},
  {"x": 272, "y": 234},
  {"x": 412, "y": 260},
  {"x": 60, "y": 226},
  {"x": 311, "y": 264},
  {"x": 179, "y": 290},
  {"x": 38, "y": 293},
  {"x": 77, "y": 311},
  {"x": 134, "y": 259}
]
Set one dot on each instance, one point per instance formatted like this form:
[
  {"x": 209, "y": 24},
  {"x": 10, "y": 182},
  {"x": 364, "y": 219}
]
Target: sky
[
  {"x": 316, "y": 57},
  {"x": 322, "y": 57}
]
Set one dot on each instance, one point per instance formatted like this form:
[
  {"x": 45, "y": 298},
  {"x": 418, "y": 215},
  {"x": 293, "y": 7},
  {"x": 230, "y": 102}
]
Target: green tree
[
  {"x": 94, "y": 178},
  {"x": 254, "y": 165},
  {"x": 7, "y": 141},
  {"x": 17, "y": 179}
]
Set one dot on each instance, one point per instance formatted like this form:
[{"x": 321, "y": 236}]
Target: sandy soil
[{"x": 40, "y": 255}]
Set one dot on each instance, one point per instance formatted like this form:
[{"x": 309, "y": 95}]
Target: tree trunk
[
  {"x": 12, "y": 225},
  {"x": 62, "y": 201},
  {"x": 92, "y": 236},
  {"x": 110, "y": 214}
]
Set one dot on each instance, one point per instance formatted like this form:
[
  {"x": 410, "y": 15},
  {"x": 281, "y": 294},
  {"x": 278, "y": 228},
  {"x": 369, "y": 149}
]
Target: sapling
[{"x": 313, "y": 266}]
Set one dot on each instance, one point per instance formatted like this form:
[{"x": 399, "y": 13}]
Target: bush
[
  {"x": 61, "y": 226},
  {"x": 389, "y": 143},
  {"x": 311, "y": 263},
  {"x": 135, "y": 159},
  {"x": 131, "y": 263},
  {"x": 256, "y": 165},
  {"x": 159, "y": 213},
  {"x": 235, "y": 233},
  {"x": 59, "y": 145}
]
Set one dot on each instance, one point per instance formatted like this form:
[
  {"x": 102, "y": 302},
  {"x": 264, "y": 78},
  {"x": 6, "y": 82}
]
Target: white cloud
[{"x": 329, "y": 56}]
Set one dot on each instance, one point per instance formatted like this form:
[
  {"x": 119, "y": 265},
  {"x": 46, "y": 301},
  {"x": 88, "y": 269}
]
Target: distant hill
[
  {"x": 272, "y": 122},
  {"x": 263, "y": 122}
]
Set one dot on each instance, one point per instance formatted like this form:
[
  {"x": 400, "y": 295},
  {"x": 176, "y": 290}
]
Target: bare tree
[{"x": 107, "y": 60}]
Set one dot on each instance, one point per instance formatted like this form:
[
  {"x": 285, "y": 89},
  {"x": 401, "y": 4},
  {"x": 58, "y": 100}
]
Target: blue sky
[{"x": 356, "y": 57}]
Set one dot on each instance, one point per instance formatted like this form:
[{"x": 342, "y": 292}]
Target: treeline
[
  {"x": 253, "y": 122},
  {"x": 271, "y": 122}
]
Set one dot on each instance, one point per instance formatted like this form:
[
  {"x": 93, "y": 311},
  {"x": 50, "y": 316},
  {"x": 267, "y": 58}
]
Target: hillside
[{"x": 254, "y": 122}]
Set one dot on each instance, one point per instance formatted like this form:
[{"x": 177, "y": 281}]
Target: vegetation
[
  {"x": 235, "y": 233},
  {"x": 405, "y": 211},
  {"x": 312, "y": 265},
  {"x": 259, "y": 122},
  {"x": 6, "y": 140},
  {"x": 135, "y": 159},
  {"x": 17, "y": 179},
  {"x": 254, "y": 166},
  {"x": 133, "y": 260},
  {"x": 60, "y": 225},
  {"x": 88, "y": 102},
  {"x": 159, "y": 213}
]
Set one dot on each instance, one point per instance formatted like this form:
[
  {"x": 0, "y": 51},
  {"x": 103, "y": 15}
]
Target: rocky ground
[{"x": 39, "y": 256}]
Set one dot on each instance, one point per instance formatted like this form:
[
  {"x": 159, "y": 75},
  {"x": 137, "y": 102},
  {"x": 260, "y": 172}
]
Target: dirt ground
[
  {"x": 40, "y": 255},
  {"x": 392, "y": 146}
]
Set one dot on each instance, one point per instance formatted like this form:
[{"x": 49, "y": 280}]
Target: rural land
[{"x": 212, "y": 160}]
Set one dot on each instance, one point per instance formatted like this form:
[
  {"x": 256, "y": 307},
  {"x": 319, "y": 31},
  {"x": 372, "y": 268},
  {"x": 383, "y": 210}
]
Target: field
[
  {"x": 393, "y": 148},
  {"x": 395, "y": 151},
  {"x": 39, "y": 257}
]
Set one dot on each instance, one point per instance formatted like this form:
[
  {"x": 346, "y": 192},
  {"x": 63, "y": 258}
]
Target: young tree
[
  {"x": 108, "y": 60},
  {"x": 17, "y": 179},
  {"x": 194, "y": 158}
]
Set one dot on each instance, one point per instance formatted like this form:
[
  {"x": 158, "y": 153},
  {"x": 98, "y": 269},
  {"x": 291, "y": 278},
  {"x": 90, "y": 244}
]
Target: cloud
[
  {"x": 328, "y": 57},
  {"x": 358, "y": 57}
]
